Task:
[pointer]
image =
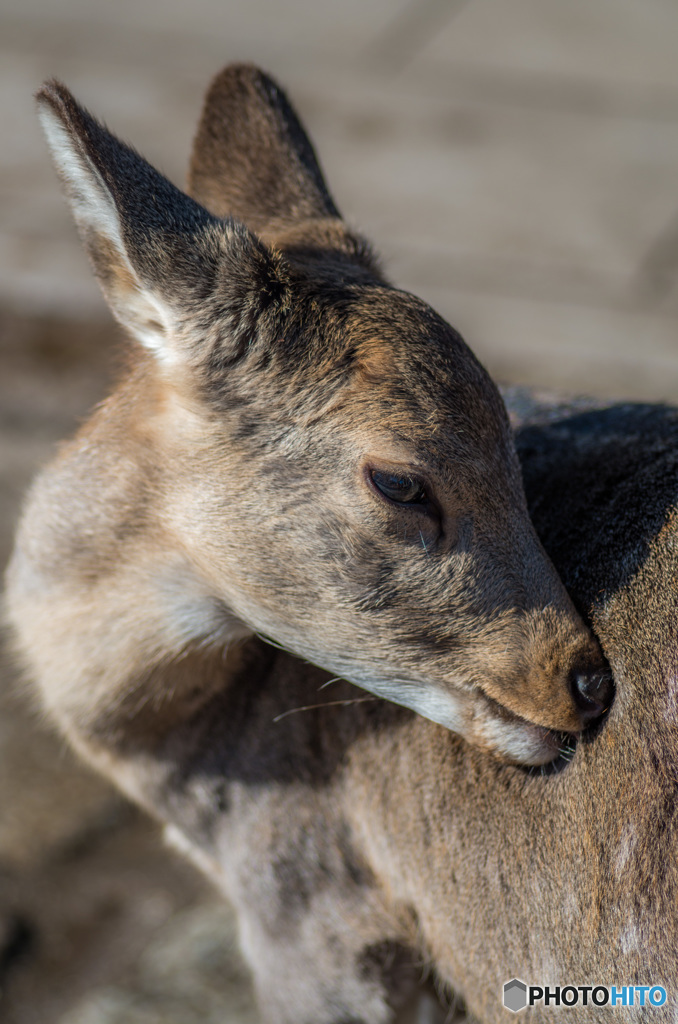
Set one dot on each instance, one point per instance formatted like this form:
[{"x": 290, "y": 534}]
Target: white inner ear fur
[{"x": 138, "y": 309}]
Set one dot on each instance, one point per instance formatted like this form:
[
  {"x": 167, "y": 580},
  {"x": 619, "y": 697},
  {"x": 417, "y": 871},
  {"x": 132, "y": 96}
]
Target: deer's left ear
[
  {"x": 252, "y": 158},
  {"x": 166, "y": 265}
]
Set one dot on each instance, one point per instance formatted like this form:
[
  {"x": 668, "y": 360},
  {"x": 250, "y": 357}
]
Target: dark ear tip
[
  {"x": 235, "y": 79},
  {"x": 54, "y": 93},
  {"x": 240, "y": 72}
]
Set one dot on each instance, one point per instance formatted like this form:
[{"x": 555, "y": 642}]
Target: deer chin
[
  {"x": 515, "y": 739},
  {"x": 520, "y": 742},
  {"x": 480, "y": 720}
]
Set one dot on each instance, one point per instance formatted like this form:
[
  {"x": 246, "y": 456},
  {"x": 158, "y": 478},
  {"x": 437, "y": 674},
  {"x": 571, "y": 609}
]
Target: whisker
[
  {"x": 328, "y": 704},
  {"x": 272, "y": 643},
  {"x": 337, "y": 679}
]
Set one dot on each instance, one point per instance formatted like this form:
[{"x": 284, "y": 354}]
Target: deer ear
[
  {"x": 252, "y": 158},
  {"x": 159, "y": 256}
]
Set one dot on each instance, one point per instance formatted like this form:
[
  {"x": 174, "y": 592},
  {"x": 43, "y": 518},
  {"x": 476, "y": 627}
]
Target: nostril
[{"x": 592, "y": 692}]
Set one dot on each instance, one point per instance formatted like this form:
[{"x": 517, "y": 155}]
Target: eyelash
[{"x": 394, "y": 493}]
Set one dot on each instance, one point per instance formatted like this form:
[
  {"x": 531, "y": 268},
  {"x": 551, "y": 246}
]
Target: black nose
[{"x": 592, "y": 691}]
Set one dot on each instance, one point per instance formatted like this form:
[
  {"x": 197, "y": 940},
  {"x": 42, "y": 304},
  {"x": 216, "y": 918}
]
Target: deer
[
  {"x": 297, "y": 451},
  {"x": 365, "y": 847}
]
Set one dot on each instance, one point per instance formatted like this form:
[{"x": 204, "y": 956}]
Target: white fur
[
  {"x": 94, "y": 210},
  {"x": 195, "y": 614},
  {"x": 522, "y": 742},
  {"x": 443, "y": 708},
  {"x": 176, "y": 840},
  {"x": 631, "y": 939},
  {"x": 627, "y": 844},
  {"x": 93, "y": 204},
  {"x": 671, "y": 707}
]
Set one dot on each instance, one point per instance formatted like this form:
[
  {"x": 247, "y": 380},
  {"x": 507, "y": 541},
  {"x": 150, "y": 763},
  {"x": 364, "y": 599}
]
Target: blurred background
[{"x": 516, "y": 164}]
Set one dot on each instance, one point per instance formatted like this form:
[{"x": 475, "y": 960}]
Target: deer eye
[{"x": 403, "y": 490}]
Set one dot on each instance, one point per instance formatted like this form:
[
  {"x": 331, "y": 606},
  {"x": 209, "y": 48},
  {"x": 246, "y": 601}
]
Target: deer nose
[{"x": 592, "y": 691}]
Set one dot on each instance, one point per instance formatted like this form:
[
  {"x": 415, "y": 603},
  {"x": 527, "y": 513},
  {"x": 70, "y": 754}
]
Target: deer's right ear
[{"x": 160, "y": 257}]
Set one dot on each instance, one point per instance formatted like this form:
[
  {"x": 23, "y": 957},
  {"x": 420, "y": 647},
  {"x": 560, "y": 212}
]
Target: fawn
[
  {"x": 298, "y": 450},
  {"x": 360, "y": 842}
]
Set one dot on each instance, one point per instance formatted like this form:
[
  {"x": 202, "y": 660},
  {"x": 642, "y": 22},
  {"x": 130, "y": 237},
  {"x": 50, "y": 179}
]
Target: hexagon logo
[{"x": 515, "y": 995}]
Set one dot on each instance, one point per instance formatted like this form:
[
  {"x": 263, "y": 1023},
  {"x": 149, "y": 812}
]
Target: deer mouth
[
  {"x": 526, "y": 742},
  {"x": 521, "y": 742},
  {"x": 480, "y": 720}
]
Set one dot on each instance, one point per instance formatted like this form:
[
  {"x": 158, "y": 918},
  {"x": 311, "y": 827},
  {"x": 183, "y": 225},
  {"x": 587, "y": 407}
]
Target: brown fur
[
  {"x": 225, "y": 487},
  {"x": 364, "y": 846},
  {"x": 219, "y": 491}
]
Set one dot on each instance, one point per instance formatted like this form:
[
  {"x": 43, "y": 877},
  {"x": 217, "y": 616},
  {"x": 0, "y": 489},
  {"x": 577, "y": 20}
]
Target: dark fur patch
[
  {"x": 613, "y": 474},
  {"x": 392, "y": 965}
]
